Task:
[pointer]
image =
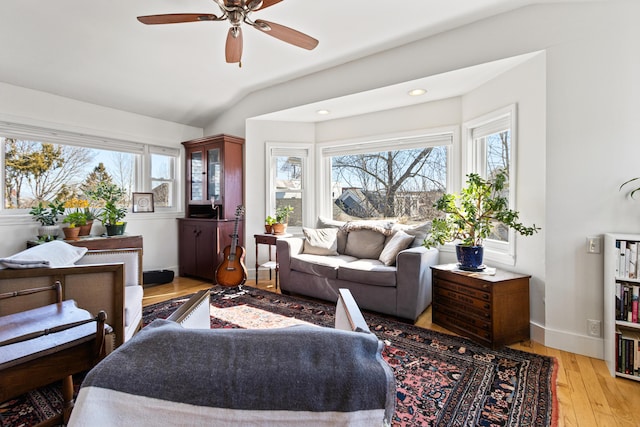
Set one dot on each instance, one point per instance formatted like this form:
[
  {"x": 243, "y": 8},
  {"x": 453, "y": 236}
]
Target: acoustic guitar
[{"x": 232, "y": 271}]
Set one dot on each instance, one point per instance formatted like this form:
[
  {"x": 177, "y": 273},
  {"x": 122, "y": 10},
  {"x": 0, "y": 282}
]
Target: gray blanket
[{"x": 301, "y": 368}]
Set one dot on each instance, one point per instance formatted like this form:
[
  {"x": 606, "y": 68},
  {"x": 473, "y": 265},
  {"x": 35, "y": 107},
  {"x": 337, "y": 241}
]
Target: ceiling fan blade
[
  {"x": 233, "y": 49},
  {"x": 176, "y": 18},
  {"x": 286, "y": 34},
  {"x": 267, "y": 3}
]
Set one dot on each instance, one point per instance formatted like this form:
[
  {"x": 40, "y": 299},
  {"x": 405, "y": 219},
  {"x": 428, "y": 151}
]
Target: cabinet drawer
[
  {"x": 482, "y": 322},
  {"x": 453, "y": 304},
  {"x": 463, "y": 280},
  {"x": 481, "y": 293},
  {"x": 458, "y": 299},
  {"x": 457, "y": 325}
]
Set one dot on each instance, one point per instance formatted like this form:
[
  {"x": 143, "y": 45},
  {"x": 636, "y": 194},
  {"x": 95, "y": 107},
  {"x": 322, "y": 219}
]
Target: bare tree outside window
[
  {"x": 43, "y": 172},
  {"x": 389, "y": 184}
]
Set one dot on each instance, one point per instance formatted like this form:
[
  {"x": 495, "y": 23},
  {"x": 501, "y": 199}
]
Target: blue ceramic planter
[{"x": 470, "y": 257}]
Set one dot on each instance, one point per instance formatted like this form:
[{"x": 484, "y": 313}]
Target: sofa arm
[
  {"x": 285, "y": 249},
  {"x": 413, "y": 280}
]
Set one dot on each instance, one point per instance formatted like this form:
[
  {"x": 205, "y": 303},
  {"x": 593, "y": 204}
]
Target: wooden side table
[
  {"x": 269, "y": 240},
  {"x": 492, "y": 310}
]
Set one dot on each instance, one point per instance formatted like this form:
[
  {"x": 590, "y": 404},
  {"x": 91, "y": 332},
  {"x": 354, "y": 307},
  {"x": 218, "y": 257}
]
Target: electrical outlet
[{"x": 593, "y": 327}]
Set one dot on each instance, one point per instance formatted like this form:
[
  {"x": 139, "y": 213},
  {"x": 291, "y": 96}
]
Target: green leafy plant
[
  {"x": 282, "y": 214},
  {"x": 269, "y": 220},
  {"x": 112, "y": 199},
  {"x": 47, "y": 215},
  {"x": 75, "y": 219},
  {"x": 633, "y": 191},
  {"x": 472, "y": 215}
]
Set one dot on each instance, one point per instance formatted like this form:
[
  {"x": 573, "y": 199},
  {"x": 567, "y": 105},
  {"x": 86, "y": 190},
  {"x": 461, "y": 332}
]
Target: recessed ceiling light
[
  {"x": 323, "y": 112},
  {"x": 417, "y": 92}
]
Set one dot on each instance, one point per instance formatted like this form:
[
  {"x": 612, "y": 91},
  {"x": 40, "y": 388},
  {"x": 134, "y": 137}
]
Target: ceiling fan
[{"x": 238, "y": 12}]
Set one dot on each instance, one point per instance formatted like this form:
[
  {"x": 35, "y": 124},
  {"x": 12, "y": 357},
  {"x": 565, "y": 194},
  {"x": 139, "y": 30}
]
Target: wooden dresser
[{"x": 492, "y": 310}]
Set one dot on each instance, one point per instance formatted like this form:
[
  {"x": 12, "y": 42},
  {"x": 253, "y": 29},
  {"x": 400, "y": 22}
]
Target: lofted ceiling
[{"x": 97, "y": 52}]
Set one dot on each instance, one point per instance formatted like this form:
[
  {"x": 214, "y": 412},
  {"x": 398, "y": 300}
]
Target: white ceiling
[{"x": 97, "y": 52}]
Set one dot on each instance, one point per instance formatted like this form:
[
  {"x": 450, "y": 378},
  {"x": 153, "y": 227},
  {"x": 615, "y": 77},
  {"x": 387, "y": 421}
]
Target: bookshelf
[{"x": 621, "y": 293}]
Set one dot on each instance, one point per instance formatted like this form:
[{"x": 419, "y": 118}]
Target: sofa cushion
[
  {"x": 399, "y": 241},
  {"x": 320, "y": 241},
  {"x": 364, "y": 244},
  {"x": 132, "y": 304},
  {"x": 319, "y": 265},
  {"x": 51, "y": 254},
  {"x": 368, "y": 271},
  {"x": 418, "y": 231},
  {"x": 381, "y": 226},
  {"x": 332, "y": 223}
]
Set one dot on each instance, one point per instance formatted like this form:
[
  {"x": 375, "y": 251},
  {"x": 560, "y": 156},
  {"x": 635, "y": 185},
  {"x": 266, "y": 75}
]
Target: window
[
  {"x": 491, "y": 148},
  {"x": 45, "y": 165},
  {"x": 163, "y": 176},
  {"x": 289, "y": 171},
  {"x": 391, "y": 178}
]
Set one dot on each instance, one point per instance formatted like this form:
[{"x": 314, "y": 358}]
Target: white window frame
[
  {"x": 448, "y": 136},
  {"x": 174, "y": 181},
  {"x": 64, "y": 137},
  {"x": 475, "y": 162},
  {"x": 290, "y": 149}
]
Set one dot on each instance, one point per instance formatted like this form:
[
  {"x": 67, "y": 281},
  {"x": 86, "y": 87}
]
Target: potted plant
[
  {"x": 282, "y": 219},
  {"x": 268, "y": 224},
  {"x": 113, "y": 209},
  {"x": 78, "y": 215},
  {"x": 48, "y": 218},
  {"x": 471, "y": 217}
]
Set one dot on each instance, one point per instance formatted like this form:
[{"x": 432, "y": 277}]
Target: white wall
[
  {"x": 591, "y": 99},
  {"x": 524, "y": 86},
  {"x": 25, "y": 106}
]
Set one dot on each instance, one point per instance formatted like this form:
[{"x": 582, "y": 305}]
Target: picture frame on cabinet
[{"x": 142, "y": 202}]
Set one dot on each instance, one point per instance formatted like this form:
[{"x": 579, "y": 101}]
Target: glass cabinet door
[
  {"x": 214, "y": 175},
  {"x": 197, "y": 174}
]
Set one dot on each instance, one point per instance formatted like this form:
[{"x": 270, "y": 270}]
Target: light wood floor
[{"x": 587, "y": 394}]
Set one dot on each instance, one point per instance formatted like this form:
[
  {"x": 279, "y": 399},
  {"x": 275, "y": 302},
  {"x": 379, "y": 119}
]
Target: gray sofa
[{"x": 390, "y": 281}]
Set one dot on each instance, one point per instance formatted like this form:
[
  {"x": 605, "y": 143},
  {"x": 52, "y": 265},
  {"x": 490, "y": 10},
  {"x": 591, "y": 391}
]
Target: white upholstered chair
[{"x": 133, "y": 291}]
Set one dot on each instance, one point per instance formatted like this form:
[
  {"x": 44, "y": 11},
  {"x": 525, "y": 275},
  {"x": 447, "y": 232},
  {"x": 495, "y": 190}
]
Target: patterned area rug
[{"x": 442, "y": 380}]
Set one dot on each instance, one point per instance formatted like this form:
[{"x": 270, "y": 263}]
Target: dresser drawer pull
[{"x": 487, "y": 306}]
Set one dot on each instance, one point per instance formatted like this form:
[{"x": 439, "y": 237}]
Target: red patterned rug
[{"x": 443, "y": 380}]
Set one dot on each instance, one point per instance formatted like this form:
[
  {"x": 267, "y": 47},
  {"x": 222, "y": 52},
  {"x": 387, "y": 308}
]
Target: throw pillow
[
  {"x": 419, "y": 232},
  {"x": 398, "y": 242},
  {"x": 364, "y": 244},
  {"x": 332, "y": 223},
  {"x": 51, "y": 254},
  {"x": 320, "y": 241}
]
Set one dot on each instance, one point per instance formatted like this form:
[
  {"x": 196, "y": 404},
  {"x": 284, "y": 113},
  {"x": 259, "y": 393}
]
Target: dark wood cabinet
[
  {"x": 492, "y": 310},
  {"x": 201, "y": 244},
  {"x": 213, "y": 191},
  {"x": 214, "y": 176}
]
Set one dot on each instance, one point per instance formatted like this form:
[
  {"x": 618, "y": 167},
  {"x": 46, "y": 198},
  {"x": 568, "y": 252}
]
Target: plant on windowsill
[
  {"x": 471, "y": 217},
  {"x": 48, "y": 218},
  {"x": 112, "y": 199},
  {"x": 282, "y": 219}
]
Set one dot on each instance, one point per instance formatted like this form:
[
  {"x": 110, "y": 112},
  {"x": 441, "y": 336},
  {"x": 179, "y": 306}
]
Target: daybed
[
  {"x": 108, "y": 280},
  {"x": 382, "y": 263}
]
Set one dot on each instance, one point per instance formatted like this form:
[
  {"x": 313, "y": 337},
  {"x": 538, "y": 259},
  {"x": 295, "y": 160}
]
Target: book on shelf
[
  {"x": 628, "y": 265},
  {"x": 627, "y": 301},
  {"x": 628, "y": 352}
]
